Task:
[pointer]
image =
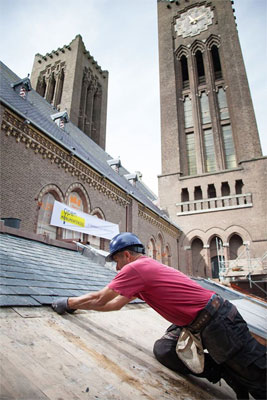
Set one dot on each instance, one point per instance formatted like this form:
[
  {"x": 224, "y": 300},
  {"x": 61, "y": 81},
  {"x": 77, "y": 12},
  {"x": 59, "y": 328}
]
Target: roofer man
[{"x": 200, "y": 314}]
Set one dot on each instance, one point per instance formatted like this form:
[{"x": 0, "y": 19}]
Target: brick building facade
[
  {"x": 46, "y": 157},
  {"x": 213, "y": 181}
]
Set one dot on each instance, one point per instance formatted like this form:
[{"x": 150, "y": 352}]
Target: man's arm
[{"x": 103, "y": 300}]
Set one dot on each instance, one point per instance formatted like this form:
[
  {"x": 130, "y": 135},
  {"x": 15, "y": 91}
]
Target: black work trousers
[
  {"x": 230, "y": 343},
  {"x": 233, "y": 354}
]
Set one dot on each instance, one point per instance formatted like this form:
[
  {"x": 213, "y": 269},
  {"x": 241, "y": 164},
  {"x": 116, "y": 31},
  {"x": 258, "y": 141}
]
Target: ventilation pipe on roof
[
  {"x": 22, "y": 87},
  {"x": 60, "y": 118},
  {"x": 132, "y": 178},
  {"x": 115, "y": 164},
  {"x": 139, "y": 175}
]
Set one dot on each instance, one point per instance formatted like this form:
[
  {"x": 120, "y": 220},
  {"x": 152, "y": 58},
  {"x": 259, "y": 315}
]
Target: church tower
[
  {"x": 70, "y": 79},
  {"x": 213, "y": 181}
]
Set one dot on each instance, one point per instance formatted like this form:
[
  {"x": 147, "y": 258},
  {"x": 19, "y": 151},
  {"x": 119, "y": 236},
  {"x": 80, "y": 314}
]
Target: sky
[{"x": 122, "y": 37}]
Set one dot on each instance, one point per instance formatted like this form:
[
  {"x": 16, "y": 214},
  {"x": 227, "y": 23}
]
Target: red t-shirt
[{"x": 171, "y": 293}]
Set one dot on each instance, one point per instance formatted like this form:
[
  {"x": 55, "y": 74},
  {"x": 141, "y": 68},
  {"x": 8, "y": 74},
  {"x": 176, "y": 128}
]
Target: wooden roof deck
[{"x": 90, "y": 355}]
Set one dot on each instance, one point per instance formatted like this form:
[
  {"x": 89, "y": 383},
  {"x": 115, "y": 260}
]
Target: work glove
[{"x": 61, "y": 306}]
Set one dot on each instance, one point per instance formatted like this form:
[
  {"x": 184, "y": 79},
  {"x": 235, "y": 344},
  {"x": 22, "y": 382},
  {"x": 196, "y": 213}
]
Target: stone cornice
[
  {"x": 34, "y": 140},
  {"x": 159, "y": 222}
]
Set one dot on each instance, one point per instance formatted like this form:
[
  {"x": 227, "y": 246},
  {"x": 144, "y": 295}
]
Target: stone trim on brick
[
  {"x": 158, "y": 222},
  {"x": 15, "y": 127}
]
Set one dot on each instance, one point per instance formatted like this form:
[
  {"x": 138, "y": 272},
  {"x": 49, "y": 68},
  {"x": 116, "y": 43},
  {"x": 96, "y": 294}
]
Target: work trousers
[
  {"x": 233, "y": 354},
  {"x": 230, "y": 343}
]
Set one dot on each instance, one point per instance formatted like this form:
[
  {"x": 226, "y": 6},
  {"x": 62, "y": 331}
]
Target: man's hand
[{"x": 61, "y": 306}]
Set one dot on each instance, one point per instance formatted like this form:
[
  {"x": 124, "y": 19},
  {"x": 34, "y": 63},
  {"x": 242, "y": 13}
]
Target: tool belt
[{"x": 205, "y": 315}]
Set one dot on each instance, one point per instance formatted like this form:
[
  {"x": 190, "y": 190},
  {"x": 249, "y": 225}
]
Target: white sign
[{"x": 67, "y": 217}]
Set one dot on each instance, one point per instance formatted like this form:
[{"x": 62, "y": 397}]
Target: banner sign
[{"x": 67, "y": 217}]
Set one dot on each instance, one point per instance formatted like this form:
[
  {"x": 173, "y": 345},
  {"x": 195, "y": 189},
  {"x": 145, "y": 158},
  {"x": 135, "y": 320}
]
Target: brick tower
[
  {"x": 70, "y": 79},
  {"x": 213, "y": 181}
]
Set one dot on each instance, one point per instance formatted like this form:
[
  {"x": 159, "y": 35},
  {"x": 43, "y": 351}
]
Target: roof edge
[{"x": 35, "y": 237}]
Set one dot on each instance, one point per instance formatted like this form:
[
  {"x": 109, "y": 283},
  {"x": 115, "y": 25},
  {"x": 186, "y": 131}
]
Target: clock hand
[
  {"x": 192, "y": 20},
  {"x": 199, "y": 17}
]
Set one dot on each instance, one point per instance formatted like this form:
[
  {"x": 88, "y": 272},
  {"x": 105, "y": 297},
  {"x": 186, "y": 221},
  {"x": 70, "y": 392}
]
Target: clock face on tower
[{"x": 194, "y": 21}]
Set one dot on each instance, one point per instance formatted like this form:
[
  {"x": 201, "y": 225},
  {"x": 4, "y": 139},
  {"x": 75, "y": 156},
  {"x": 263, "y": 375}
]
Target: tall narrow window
[
  {"x": 41, "y": 86},
  {"x": 216, "y": 62},
  {"x": 185, "y": 198},
  {"x": 60, "y": 88},
  {"x": 211, "y": 191},
  {"x": 95, "y": 241},
  {"x": 229, "y": 150},
  {"x": 198, "y": 193},
  {"x": 184, "y": 195},
  {"x": 200, "y": 67},
  {"x": 222, "y": 101},
  {"x": 151, "y": 249},
  {"x": 51, "y": 88},
  {"x": 191, "y": 154},
  {"x": 210, "y": 162},
  {"x": 185, "y": 75},
  {"x": 74, "y": 201},
  {"x": 225, "y": 189},
  {"x": 239, "y": 186},
  {"x": 205, "y": 110},
  {"x": 188, "y": 115},
  {"x": 44, "y": 217}
]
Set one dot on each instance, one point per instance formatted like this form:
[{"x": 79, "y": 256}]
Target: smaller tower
[{"x": 70, "y": 79}]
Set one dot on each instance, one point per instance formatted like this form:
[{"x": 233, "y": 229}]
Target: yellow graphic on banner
[{"x": 72, "y": 218}]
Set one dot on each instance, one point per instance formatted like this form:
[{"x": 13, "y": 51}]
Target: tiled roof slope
[
  {"x": 34, "y": 273},
  {"x": 38, "y": 111}
]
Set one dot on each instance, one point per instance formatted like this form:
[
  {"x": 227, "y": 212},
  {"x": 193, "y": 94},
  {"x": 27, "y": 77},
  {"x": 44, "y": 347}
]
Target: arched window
[
  {"x": 211, "y": 191},
  {"x": 166, "y": 256},
  {"x": 185, "y": 76},
  {"x": 235, "y": 246},
  {"x": 198, "y": 193},
  {"x": 151, "y": 249},
  {"x": 58, "y": 95},
  {"x": 41, "y": 86},
  {"x": 198, "y": 261},
  {"x": 216, "y": 256},
  {"x": 75, "y": 201},
  {"x": 184, "y": 195},
  {"x": 96, "y": 241},
  {"x": 216, "y": 62},
  {"x": 225, "y": 189},
  {"x": 44, "y": 217},
  {"x": 239, "y": 186},
  {"x": 198, "y": 196},
  {"x": 159, "y": 248},
  {"x": 200, "y": 67},
  {"x": 184, "y": 198},
  {"x": 51, "y": 88}
]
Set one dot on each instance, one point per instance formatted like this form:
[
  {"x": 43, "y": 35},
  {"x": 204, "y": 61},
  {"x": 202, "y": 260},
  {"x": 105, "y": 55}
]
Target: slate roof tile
[
  {"x": 13, "y": 301},
  {"x": 47, "y": 277}
]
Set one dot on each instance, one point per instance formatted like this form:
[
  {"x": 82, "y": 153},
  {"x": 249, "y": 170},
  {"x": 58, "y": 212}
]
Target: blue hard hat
[{"x": 123, "y": 241}]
